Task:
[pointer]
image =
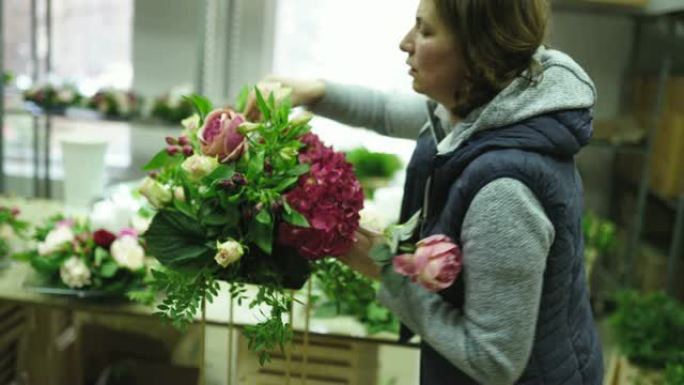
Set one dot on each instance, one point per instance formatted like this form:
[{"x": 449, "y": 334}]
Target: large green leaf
[
  {"x": 202, "y": 105},
  {"x": 162, "y": 159},
  {"x": 241, "y": 102},
  {"x": 262, "y": 235},
  {"x": 177, "y": 239}
]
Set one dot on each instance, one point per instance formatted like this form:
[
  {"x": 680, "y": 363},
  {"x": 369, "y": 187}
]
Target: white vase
[{"x": 84, "y": 172}]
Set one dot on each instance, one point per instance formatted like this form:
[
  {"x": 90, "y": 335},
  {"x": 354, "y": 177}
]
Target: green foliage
[
  {"x": 373, "y": 164},
  {"x": 649, "y": 328},
  {"x": 346, "y": 292},
  {"x": 373, "y": 168},
  {"x": 598, "y": 233},
  {"x": 167, "y": 111},
  {"x": 18, "y": 228},
  {"x": 184, "y": 291},
  {"x": 674, "y": 374},
  {"x": 272, "y": 332},
  {"x": 201, "y": 104},
  {"x": 7, "y": 78}
]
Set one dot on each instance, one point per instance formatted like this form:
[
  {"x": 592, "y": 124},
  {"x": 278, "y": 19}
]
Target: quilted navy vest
[{"x": 540, "y": 153}]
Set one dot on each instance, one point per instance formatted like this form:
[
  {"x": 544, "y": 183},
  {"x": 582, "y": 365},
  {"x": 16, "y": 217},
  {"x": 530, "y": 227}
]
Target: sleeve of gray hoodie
[
  {"x": 506, "y": 238},
  {"x": 397, "y": 114}
]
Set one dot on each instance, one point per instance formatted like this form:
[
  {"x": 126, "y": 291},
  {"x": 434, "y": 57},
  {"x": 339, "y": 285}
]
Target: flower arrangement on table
[
  {"x": 114, "y": 103},
  {"x": 247, "y": 203},
  {"x": 69, "y": 254},
  {"x": 171, "y": 108},
  {"x": 10, "y": 227},
  {"x": 52, "y": 98}
]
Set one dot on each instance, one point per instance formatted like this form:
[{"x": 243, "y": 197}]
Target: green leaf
[
  {"x": 295, "y": 218},
  {"x": 402, "y": 232},
  {"x": 220, "y": 173},
  {"x": 381, "y": 254},
  {"x": 256, "y": 166},
  {"x": 109, "y": 269},
  {"x": 242, "y": 99},
  {"x": 261, "y": 104},
  {"x": 176, "y": 239},
  {"x": 162, "y": 159},
  {"x": 300, "y": 169},
  {"x": 286, "y": 183},
  {"x": 264, "y": 217},
  {"x": 201, "y": 104},
  {"x": 262, "y": 235},
  {"x": 100, "y": 255},
  {"x": 25, "y": 256}
]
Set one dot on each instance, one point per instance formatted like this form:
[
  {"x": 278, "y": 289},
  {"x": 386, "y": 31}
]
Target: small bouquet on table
[
  {"x": 74, "y": 260},
  {"x": 247, "y": 203},
  {"x": 11, "y": 228}
]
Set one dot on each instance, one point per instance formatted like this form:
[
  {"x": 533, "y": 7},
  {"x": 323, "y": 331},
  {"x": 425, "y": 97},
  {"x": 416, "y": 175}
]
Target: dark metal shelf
[{"x": 652, "y": 9}]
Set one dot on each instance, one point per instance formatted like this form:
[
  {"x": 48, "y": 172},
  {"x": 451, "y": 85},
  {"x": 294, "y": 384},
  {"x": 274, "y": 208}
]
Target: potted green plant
[
  {"x": 373, "y": 169},
  {"x": 649, "y": 331}
]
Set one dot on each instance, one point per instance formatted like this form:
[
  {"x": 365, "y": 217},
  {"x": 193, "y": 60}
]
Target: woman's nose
[{"x": 406, "y": 44}]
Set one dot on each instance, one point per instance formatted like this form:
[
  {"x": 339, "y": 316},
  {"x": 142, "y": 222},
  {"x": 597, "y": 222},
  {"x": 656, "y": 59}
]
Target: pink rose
[
  {"x": 435, "y": 264},
  {"x": 219, "y": 136}
]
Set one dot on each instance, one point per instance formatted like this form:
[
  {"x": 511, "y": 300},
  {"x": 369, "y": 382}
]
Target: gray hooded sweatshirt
[{"x": 506, "y": 235}]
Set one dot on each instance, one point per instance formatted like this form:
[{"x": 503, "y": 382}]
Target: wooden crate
[
  {"x": 331, "y": 361},
  {"x": 622, "y": 372},
  {"x": 667, "y": 166},
  {"x": 12, "y": 327}
]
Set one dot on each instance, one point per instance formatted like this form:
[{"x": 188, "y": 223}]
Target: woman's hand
[
  {"x": 358, "y": 258},
  {"x": 301, "y": 92}
]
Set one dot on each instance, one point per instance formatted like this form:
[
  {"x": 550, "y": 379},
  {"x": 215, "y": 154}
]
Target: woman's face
[{"x": 433, "y": 55}]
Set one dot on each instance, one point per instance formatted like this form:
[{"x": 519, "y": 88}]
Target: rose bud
[
  {"x": 187, "y": 150},
  {"x": 172, "y": 150},
  {"x": 156, "y": 193},
  {"x": 171, "y": 141},
  {"x": 198, "y": 166}
]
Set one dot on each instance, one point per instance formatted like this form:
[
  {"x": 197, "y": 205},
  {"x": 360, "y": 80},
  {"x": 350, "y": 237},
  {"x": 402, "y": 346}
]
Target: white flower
[
  {"x": 199, "y": 166},
  {"x": 228, "y": 252},
  {"x": 156, "y": 193},
  {"x": 191, "y": 124},
  {"x": 75, "y": 273},
  {"x": 57, "y": 237},
  {"x": 128, "y": 253},
  {"x": 140, "y": 223}
]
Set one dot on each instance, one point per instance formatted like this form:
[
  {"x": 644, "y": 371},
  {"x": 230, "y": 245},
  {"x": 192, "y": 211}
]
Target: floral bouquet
[
  {"x": 247, "y": 203},
  {"x": 10, "y": 227},
  {"x": 171, "y": 108},
  {"x": 113, "y": 103},
  {"x": 69, "y": 254},
  {"x": 51, "y": 98}
]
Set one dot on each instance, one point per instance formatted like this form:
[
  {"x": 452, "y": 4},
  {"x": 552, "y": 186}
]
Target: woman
[{"x": 494, "y": 170}]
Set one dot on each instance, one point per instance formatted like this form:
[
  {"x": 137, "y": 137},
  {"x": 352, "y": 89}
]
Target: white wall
[{"x": 165, "y": 44}]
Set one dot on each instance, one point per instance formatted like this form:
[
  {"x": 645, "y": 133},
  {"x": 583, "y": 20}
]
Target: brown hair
[{"x": 497, "y": 39}]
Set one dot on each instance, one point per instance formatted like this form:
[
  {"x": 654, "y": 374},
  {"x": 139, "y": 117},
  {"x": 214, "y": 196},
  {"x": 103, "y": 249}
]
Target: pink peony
[
  {"x": 219, "y": 136},
  {"x": 435, "y": 264},
  {"x": 329, "y": 197}
]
